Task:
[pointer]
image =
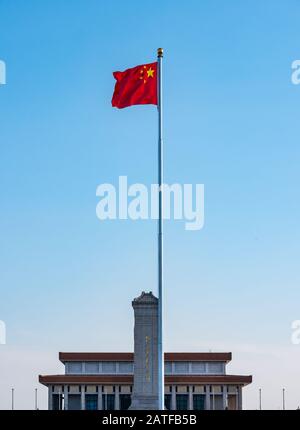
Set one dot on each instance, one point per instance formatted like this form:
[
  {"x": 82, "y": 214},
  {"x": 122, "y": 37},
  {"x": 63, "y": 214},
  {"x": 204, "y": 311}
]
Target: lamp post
[
  {"x": 36, "y": 399},
  {"x": 12, "y": 399},
  {"x": 260, "y": 399}
]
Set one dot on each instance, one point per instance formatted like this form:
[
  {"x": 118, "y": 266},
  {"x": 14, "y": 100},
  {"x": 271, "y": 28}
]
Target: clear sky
[{"x": 231, "y": 123}]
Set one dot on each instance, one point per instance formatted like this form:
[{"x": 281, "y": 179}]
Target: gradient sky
[{"x": 231, "y": 123}]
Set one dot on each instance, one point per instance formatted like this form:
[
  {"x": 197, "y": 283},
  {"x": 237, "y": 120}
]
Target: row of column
[
  {"x": 100, "y": 392},
  {"x": 208, "y": 397}
]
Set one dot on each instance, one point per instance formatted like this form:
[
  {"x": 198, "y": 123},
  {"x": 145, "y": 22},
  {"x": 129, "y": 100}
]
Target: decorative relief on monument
[{"x": 148, "y": 377}]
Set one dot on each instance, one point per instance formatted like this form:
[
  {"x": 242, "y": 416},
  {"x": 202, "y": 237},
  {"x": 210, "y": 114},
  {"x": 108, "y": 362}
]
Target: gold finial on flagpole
[{"x": 160, "y": 52}]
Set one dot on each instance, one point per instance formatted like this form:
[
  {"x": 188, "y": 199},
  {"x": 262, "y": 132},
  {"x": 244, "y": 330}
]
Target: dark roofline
[
  {"x": 95, "y": 356},
  {"x": 128, "y": 379},
  {"x": 198, "y": 356},
  {"x": 129, "y": 356}
]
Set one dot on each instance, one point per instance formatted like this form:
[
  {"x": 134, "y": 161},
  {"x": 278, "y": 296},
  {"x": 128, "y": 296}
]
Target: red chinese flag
[{"x": 136, "y": 86}]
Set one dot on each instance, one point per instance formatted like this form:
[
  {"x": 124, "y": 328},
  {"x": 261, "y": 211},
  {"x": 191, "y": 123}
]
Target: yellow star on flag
[{"x": 150, "y": 73}]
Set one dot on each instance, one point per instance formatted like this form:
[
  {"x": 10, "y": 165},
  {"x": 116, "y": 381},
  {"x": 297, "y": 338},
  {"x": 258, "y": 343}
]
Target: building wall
[
  {"x": 116, "y": 397},
  {"x": 126, "y": 368}
]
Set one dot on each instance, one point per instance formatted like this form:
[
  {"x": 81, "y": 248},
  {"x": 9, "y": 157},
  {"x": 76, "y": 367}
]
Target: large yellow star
[{"x": 150, "y": 73}]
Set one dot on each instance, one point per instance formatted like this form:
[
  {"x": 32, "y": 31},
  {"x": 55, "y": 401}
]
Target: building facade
[
  {"x": 193, "y": 381},
  {"x": 121, "y": 381}
]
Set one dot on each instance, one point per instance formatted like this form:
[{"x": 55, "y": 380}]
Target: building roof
[
  {"x": 129, "y": 356},
  {"x": 128, "y": 379}
]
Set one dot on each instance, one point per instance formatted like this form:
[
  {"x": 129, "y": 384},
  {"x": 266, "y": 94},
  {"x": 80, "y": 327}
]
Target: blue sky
[{"x": 231, "y": 122}]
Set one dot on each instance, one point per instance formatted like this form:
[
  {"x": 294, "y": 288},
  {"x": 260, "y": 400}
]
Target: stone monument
[{"x": 145, "y": 386}]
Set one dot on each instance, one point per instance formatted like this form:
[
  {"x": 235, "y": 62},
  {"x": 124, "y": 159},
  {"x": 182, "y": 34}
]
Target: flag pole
[{"x": 161, "y": 396}]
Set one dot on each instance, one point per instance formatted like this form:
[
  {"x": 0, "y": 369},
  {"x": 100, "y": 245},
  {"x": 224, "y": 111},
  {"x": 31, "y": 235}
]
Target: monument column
[{"x": 145, "y": 386}]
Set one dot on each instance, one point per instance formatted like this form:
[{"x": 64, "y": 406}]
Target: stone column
[
  {"x": 50, "y": 398},
  {"x": 173, "y": 400},
  {"x": 190, "y": 405},
  {"x": 66, "y": 398},
  {"x": 82, "y": 397},
  {"x": 225, "y": 402},
  {"x": 100, "y": 406},
  {"x": 239, "y": 399},
  {"x": 145, "y": 386},
  {"x": 117, "y": 397},
  {"x": 207, "y": 397}
]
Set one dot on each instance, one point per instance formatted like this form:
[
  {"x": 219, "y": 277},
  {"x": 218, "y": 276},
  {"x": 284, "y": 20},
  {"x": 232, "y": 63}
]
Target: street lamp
[
  {"x": 36, "y": 399},
  {"x": 12, "y": 399},
  {"x": 260, "y": 399}
]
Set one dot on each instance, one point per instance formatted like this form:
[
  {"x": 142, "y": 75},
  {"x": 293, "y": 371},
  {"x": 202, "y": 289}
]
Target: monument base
[{"x": 144, "y": 403}]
